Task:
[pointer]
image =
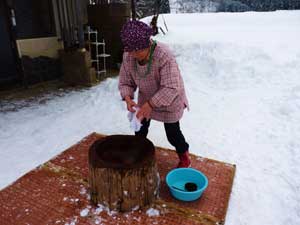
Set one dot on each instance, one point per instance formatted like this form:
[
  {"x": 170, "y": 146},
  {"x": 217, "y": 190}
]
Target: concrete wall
[{"x": 40, "y": 47}]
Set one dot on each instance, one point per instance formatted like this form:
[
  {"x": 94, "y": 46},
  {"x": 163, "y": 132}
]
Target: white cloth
[{"x": 135, "y": 123}]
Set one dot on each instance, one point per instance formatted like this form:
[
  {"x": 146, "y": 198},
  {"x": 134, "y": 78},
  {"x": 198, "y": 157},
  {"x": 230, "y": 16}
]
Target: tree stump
[{"x": 123, "y": 172}]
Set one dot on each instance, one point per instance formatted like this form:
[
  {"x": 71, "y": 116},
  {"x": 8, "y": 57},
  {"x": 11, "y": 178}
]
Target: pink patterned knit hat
[{"x": 136, "y": 35}]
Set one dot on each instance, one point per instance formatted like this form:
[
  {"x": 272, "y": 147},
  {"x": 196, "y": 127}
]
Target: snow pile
[{"x": 241, "y": 73}]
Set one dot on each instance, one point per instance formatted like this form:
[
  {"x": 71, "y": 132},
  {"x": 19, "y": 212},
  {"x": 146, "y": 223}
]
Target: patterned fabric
[
  {"x": 163, "y": 86},
  {"x": 136, "y": 35}
]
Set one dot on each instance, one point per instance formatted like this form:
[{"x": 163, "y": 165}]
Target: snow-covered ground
[{"x": 241, "y": 72}]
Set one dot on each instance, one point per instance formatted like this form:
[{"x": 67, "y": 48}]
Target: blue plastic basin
[{"x": 179, "y": 177}]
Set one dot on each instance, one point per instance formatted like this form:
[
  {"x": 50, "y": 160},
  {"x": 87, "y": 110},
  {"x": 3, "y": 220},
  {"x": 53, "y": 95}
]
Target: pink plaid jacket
[{"x": 163, "y": 86}]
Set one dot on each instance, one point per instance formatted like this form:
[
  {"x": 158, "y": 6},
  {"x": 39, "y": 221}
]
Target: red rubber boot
[{"x": 184, "y": 160}]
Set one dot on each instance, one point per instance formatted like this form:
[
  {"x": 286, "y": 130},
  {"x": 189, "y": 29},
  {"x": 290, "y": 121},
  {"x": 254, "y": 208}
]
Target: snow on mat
[{"x": 57, "y": 193}]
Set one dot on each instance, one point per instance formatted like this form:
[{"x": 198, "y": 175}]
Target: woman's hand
[
  {"x": 130, "y": 104},
  {"x": 144, "y": 112}
]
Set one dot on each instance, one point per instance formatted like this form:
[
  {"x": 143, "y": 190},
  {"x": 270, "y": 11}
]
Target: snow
[
  {"x": 97, "y": 221},
  {"x": 152, "y": 212},
  {"x": 72, "y": 222},
  {"x": 83, "y": 191},
  {"x": 98, "y": 210},
  {"x": 101, "y": 208},
  {"x": 241, "y": 73},
  {"x": 84, "y": 212},
  {"x": 136, "y": 208}
]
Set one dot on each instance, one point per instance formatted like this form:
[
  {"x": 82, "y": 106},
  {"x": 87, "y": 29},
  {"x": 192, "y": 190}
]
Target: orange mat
[{"x": 57, "y": 193}]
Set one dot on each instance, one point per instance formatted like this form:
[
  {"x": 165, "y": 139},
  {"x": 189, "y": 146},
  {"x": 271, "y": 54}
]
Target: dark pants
[{"x": 174, "y": 135}]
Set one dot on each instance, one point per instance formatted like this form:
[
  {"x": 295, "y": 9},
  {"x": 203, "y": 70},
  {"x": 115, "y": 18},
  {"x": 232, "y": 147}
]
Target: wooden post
[{"x": 123, "y": 172}]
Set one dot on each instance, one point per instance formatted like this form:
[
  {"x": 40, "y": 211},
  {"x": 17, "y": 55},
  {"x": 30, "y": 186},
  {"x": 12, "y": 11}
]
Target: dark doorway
[{"x": 8, "y": 68}]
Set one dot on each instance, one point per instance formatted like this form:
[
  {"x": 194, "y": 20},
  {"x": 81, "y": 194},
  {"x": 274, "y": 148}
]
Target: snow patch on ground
[
  {"x": 72, "y": 222},
  {"x": 84, "y": 212},
  {"x": 152, "y": 212}
]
